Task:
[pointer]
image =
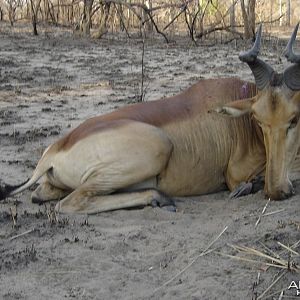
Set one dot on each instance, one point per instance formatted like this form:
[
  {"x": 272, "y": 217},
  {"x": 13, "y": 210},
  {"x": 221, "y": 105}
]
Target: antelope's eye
[{"x": 293, "y": 122}]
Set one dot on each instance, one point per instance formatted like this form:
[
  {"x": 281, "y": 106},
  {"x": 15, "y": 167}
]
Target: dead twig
[
  {"x": 252, "y": 260},
  {"x": 262, "y": 212},
  {"x": 22, "y": 234},
  {"x": 271, "y": 261},
  {"x": 254, "y": 286},
  {"x": 255, "y": 252},
  {"x": 270, "y": 251},
  {"x": 272, "y": 284},
  {"x": 175, "y": 18},
  {"x": 142, "y": 95},
  {"x": 281, "y": 291},
  {"x": 281, "y": 295},
  {"x": 14, "y": 214},
  {"x": 288, "y": 248},
  {"x": 122, "y": 20},
  {"x": 51, "y": 214},
  {"x": 204, "y": 252},
  {"x": 273, "y": 212}
]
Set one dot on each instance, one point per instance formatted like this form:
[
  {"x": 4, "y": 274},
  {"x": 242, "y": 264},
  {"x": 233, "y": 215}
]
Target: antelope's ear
[{"x": 236, "y": 108}]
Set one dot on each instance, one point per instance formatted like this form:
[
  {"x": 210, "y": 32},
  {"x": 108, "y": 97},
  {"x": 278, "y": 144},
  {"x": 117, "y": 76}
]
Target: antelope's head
[{"x": 276, "y": 109}]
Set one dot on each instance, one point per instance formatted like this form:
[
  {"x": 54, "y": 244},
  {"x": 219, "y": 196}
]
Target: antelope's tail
[{"x": 43, "y": 166}]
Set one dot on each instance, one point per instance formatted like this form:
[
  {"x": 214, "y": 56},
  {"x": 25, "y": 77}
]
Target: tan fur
[
  {"x": 193, "y": 102},
  {"x": 276, "y": 111},
  {"x": 173, "y": 145}
]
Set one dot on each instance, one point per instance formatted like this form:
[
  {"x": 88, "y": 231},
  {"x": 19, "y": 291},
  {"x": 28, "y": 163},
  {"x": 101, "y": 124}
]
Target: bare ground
[{"x": 51, "y": 83}]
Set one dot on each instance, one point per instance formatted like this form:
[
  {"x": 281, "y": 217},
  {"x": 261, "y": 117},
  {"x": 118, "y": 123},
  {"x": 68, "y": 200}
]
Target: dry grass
[
  {"x": 266, "y": 259},
  {"x": 206, "y": 251}
]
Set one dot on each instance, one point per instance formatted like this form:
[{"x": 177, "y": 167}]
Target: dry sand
[{"x": 51, "y": 83}]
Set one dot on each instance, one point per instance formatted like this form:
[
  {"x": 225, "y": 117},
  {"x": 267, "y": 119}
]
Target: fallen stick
[
  {"x": 275, "y": 293},
  {"x": 273, "y": 212},
  {"x": 21, "y": 234},
  {"x": 273, "y": 283},
  {"x": 255, "y": 252},
  {"x": 204, "y": 252},
  {"x": 262, "y": 213},
  {"x": 288, "y": 248},
  {"x": 255, "y": 261},
  {"x": 270, "y": 251}
]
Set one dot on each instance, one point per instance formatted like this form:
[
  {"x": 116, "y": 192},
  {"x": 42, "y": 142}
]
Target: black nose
[
  {"x": 283, "y": 193},
  {"x": 286, "y": 194}
]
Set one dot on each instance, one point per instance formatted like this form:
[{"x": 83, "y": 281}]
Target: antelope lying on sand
[{"x": 138, "y": 154}]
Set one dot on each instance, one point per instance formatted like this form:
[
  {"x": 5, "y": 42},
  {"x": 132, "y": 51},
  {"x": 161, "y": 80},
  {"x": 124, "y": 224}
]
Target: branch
[
  {"x": 156, "y": 27},
  {"x": 122, "y": 21},
  {"x": 128, "y": 5},
  {"x": 203, "y": 14},
  {"x": 176, "y": 17},
  {"x": 144, "y": 7},
  {"x": 213, "y": 29},
  {"x": 271, "y": 21}
]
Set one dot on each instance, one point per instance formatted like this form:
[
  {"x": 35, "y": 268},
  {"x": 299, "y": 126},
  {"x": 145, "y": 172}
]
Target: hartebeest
[{"x": 179, "y": 146}]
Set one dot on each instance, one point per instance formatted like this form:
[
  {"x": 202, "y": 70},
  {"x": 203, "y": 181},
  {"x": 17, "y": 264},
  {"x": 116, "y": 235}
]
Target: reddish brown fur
[{"x": 197, "y": 99}]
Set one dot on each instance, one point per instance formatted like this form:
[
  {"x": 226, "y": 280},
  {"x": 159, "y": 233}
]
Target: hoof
[
  {"x": 242, "y": 190},
  {"x": 170, "y": 208},
  {"x": 164, "y": 202},
  {"x": 36, "y": 200},
  {"x": 258, "y": 184}
]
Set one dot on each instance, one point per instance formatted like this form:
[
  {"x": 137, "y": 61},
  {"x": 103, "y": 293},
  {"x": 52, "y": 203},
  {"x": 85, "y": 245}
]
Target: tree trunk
[
  {"x": 121, "y": 17},
  {"x": 249, "y": 18},
  {"x": 58, "y": 12},
  {"x": 288, "y": 12},
  {"x": 46, "y": 11},
  {"x": 272, "y": 4},
  {"x": 51, "y": 12},
  {"x": 232, "y": 15},
  {"x": 103, "y": 21},
  {"x": 34, "y": 26},
  {"x": 201, "y": 19},
  {"x": 149, "y": 25},
  {"x": 72, "y": 13},
  {"x": 27, "y": 11},
  {"x": 35, "y": 6},
  {"x": 85, "y": 22},
  {"x": 11, "y": 13},
  {"x": 251, "y": 14},
  {"x": 280, "y": 12}
]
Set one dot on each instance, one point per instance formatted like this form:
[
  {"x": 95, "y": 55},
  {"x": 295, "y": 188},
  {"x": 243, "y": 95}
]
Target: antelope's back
[{"x": 196, "y": 100}]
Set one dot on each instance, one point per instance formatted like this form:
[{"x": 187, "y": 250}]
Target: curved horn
[
  {"x": 288, "y": 52},
  {"x": 251, "y": 55},
  {"x": 261, "y": 70},
  {"x": 291, "y": 75}
]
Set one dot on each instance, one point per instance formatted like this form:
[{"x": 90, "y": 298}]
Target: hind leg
[
  {"x": 82, "y": 202},
  {"x": 47, "y": 192},
  {"x": 126, "y": 158}
]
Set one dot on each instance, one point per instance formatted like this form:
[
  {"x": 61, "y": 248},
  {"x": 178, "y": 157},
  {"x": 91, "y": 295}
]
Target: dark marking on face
[
  {"x": 276, "y": 79},
  {"x": 274, "y": 102}
]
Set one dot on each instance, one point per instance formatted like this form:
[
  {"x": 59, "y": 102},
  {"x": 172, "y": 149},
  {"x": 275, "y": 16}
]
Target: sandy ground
[{"x": 51, "y": 83}]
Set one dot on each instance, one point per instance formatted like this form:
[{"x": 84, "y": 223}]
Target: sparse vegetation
[
  {"x": 52, "y": 82},
  {"x": 194, "y": 18}
]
